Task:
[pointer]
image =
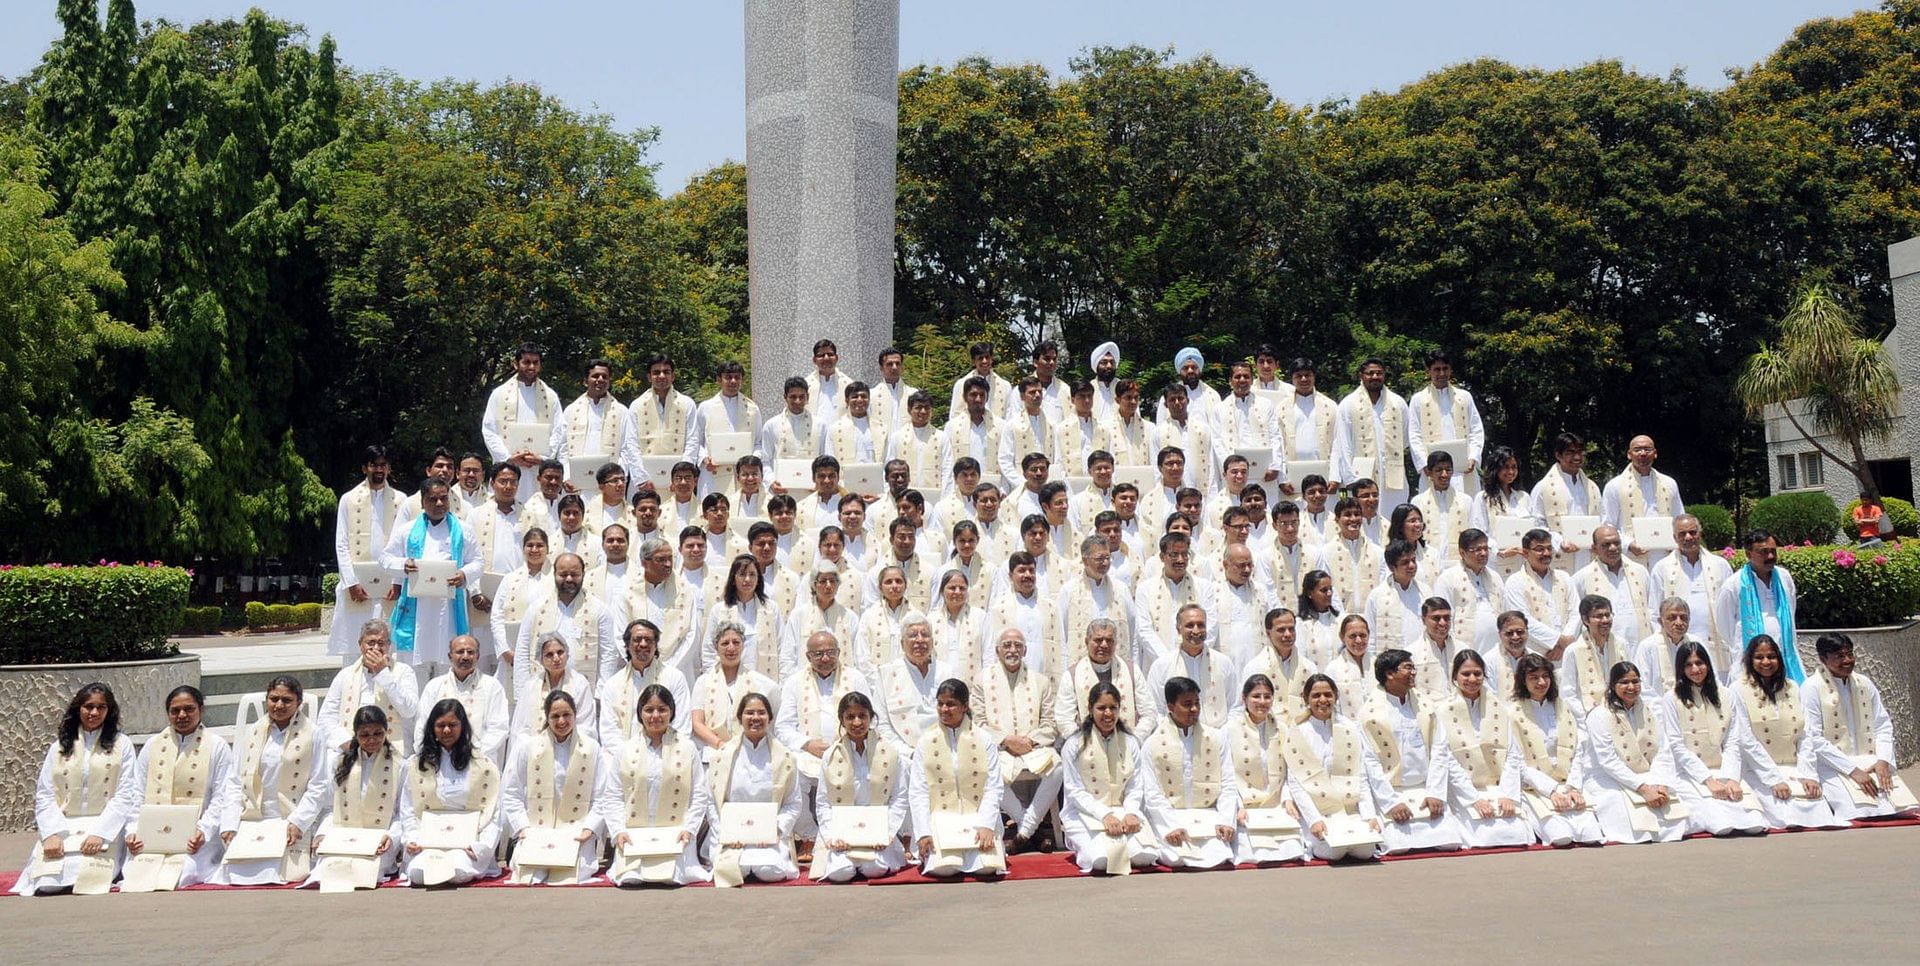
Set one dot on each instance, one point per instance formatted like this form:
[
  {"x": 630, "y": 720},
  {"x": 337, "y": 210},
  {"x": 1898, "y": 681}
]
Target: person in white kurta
[
  {"x": 1781, "y": 763},
  {"x": 1407, "y": 740},
  {"x": 1351, "y": 667},
  {"x": 281, "y": 773},
  {"x": 563, "y": 799},
  {"x": 488, "y": 707},
  {"x": 1501, "y": 497},
  {"x": 1107, "y": 788},
  {"x": 82, "y": 798},
  {"x": 1373, "y": 427},
  {"x": 1442, "y": 411},
  {"x": 1696, "y": 576},
  {"x": 594, "y": 422},
  {"x": 1853, "y": 736},
  {"x": 1655, "y": 653},
  {"x": 1552, "y": 741},
  {"x": 169, "y": 773},
  {"x": 754, "y": 767},
  {"x": 552, "y": 672},
  {"x": 1191, "y": 770},
  {"x": 422, "y": 625},
  {"x": 361, "y": 524},
  {"x": 619, "y": 695},
  {"x": 446, "y": 776},
  {"x": 1213, "y": 671},
  {"x": 1485, "y": 766},
  {"x": 508, "y": 606},
  {"x": 862, "y": 769},
  {"x": 1627, "y": 584},
  {"x": 1630, "y": 765},
  {"x": 808, "y": 717},
  {"x": 1332, "y": 772},
  {"x": 526, "y": 399},
  {"x": 1566, "y": 491},
  {"x": 659, "y": 775},
  {"x": 1640, "y": 491},
  {"x": 956, "y": 772},
  {"x": 1710, "y": 743},
  {"x": 727, "y": 411},
  {"x": 365, "y": 789},
  {"x": 1256, "y": 739},
  {"x": 1546, "y": 595},
  {"x": 372, "y": 680}
]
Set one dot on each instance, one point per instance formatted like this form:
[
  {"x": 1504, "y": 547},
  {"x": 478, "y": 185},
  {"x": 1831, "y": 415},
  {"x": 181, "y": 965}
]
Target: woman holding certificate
[
  {"x": 283, "y": 789},
  {"x": 1553, "y": 751},
  {"x": 662, "y": 801},
  {"x": 359, "y": 840},
  {"x": 954, "y": 789},
  {"x": 450, "y": 814},
  {"x": 1333, "y": 778},
  {"x": 1486, "y": 770},
  {"x": 186, "y": 778},
  {"x": 756, "y": 801},
  {"x": 1269, "y": 823},
  {"x": 1106, "y": 791},
  {"x": 860, "y": 800},
  {"x": 1710, "y": 744},
  {"x": 1781, "y": 766},
  {"x": 553, "y": 674},
  {"x": 1630, "y": 772},
  {"x": 88, "y": 787},
  {"x": 554, "y": 780}
]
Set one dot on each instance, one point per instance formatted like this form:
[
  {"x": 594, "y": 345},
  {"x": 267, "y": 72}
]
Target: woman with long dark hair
[
  {"x": 1318, "y": 630},
  {"x": 1552, "y": 744},
  {"x": 1106, "y": 790},
  {"x": 744, "y": 601},
  {"x": 449, "y": 776},
  {"x": 1332, "y": 775},
  {"x": 1780, "y": 763},
  {"x": 1503, "y": 494},
  {"x": 87, "y": 790},
  {"x": 1709, "y": 747},
  {"x": 365, "y": 792}
]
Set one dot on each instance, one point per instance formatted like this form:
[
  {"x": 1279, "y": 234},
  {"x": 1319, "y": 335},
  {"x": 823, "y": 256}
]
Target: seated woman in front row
[
  {"x": 1191, "y": 772},
  {"x": 282, "y": 775},
  {"x": 1106, "y": 790},
  {"x": 554, "y": 780},
  {"x": 1780, "y": 765},
  {"x": 1332, "y": 774},
  {"x": 956, "y": 772},
  {"x": 663, "y": 784},
  {"x": 365, "y": 793},
  {"x": 448, "y": 775},
  {"x": 185, "y": 765},
  {"x": 1486, "y": 767},
  {"x": 1552, "y": 742},
  {"x": 862, "y": 769},
  {"x": 88, "y": 788},
  {"x": 754, "y": 767},
  {"x": 1256, "y": 740},
  {"x": 1709, "y": 742},
  {"x": 1630, "y": 774}
]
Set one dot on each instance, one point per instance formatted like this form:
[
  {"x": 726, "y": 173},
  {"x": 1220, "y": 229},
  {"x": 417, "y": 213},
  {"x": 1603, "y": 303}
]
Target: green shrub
[
  {"x": 200, "y": 621},
  {"x": 1808, "y": 517},
  {"x": 56, "y": 614},
  {"x": 1906, "y": 520},
  {"x": 280, "y": 615},
  {"x": 329, "y": 585},
  {"x": 306, "y": 615},
  {"x": 257, "y": 615},
  {"x": 233, "y": 617},
  {"x": 1855, "y": 587},
  {"x": 1716, "y": 525}
]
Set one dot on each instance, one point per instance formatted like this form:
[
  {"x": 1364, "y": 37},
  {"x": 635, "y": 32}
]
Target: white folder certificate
[
  {"x": 867, "y": 479},
  {"x": 431, "y": 579},
  {"x": 166, "y": 829},
  {"x": 1654, "y": 533},
  {"x": 528, "y": 438},
  {"x": 1259, "y": 461},
  {"x": 725, "y": 449},
  {"x": 1578, "y": 530}
]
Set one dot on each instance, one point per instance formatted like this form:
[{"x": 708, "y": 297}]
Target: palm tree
[{"x": 1846, "y": 381}]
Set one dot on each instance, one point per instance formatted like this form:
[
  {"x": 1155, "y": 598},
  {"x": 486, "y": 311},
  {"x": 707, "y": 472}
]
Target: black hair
[
  {"x": 1094, "y": 694},
  {"x": 1709, "y": 689},
  {"x": 1180, "y": 686},
  {"x": 1524, "y": 668},
  {"x": 461, "y": 754},
  {"x": 1389, "y": 661},
  {"x": 1615, "y": 675},
  {"x": 655, "y": 691},
  {"x": 1770, "y": 688},
  {"x": 70, "y": 723},
  {"x": 369, "y": 714}
]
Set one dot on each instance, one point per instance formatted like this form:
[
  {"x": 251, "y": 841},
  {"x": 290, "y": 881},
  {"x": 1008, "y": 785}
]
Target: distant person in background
[{"x": 1870, "y": 520}]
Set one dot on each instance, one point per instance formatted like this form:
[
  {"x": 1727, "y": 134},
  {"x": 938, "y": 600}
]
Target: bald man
[
  {"x": 480, "y": 694},
  {"x": 1640, "y": 491}
]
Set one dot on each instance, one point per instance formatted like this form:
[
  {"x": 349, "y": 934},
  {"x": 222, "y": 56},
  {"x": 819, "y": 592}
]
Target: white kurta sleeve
[
  {"x": 125, "y": 803},
  {"x": 221, "y": 785},
  {"x": 490, "y": 428},
  {"x": 1882, "y": 725},
  {"x": 513, "y": 790},
  {"x": 1228, "y": 806},
  {"x": 1605, "y": 756},
  {"x": 493, "y": 728},
  {"x": 404, "y": 815},
  {"x": 316, "y": 796},
  {"x": 790, "y": 806},
  {"x": 612, "y": 646},
  {"x": 397, "y": 681},
  {"x": 988, "y": 815},
  {"x": 1384, "y": 795},
  {"x": 786, "y": 722},
  {"x": 48, "y": 819},
  {"x": 1686, "y": 764},
  {"x": 919, "y": 802}
]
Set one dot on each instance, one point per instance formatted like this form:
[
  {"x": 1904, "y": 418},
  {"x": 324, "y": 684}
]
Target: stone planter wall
[
  {"x": 36, "y": 696},
  {"x": 1891, "y": 657}
]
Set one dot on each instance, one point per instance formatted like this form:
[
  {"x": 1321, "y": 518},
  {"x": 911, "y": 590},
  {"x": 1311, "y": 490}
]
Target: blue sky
[{"x": 677, "y": 65}]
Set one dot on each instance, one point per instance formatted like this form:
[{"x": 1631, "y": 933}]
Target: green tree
[
  {"x": 710, "y": 218},
  {"x": 1841, "y": 382},
  {"x": 468, "y": 219}
]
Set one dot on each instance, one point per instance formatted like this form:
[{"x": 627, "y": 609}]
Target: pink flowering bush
[{"x": 107, "y": 611}]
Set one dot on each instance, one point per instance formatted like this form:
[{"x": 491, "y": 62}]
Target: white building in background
[{"x": 1793, "y": 463}]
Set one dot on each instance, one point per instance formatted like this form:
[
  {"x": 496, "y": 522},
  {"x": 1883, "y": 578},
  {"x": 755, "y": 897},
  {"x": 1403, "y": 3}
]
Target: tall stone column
[{"x": 822, "y": 134}]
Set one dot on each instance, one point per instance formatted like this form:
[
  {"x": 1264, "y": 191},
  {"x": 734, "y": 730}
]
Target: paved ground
[{"x": 1804, "y": 897}]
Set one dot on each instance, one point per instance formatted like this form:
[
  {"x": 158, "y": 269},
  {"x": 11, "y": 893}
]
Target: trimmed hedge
[
  {"x": 1852, "y": 586},
  {"x": 55, "y": 614},
  {"x": 262, "y": 615},
  {"x": 306, "y": 615},
  {"x": 1809, "y": 517},
  {"x": 200, "y": 621},
  {"x": 1906, "y": 520},
  {"x": 1716, "y": 525}
]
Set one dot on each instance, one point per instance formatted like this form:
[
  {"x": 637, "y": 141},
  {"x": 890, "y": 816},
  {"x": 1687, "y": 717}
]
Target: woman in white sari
[
  {"x": 1107, "y": 790},
  {"x": 662, "y": 784},
  {"x": 87, "y": 789},
  {"x": 1256, "y": 740},
  {"x": 558, "y": 778},
  {"x": 185, "y": 765},
  {"x": 1486, "y": 764},
  {"x": 754, "y": 768},
  {"x": 1780, "y": 764},
  {"x": 1630, "y": 774},
  {"x": 956, "y": 772},
  {"x": 717, "y": 693},
  {"x": 862, "y": 769},
  {"x": 365, "y": 792},
  {"x": 553, "y": 674},
  {"x": 959, "y": 629},
  {"x": 447, "y": 775},
  {"x": 1710, "y": 744},
  {"x": 1332, "y": 773},
  {"x": 282, "y": 775},
  {"x": 1552, "y": 744}
]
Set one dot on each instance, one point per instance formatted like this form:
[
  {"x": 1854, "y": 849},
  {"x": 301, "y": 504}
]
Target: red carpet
[{"x": 1055, "y": 865}]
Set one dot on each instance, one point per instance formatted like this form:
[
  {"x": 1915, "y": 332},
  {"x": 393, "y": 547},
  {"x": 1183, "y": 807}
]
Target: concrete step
[{"x": 230, "y": 670}]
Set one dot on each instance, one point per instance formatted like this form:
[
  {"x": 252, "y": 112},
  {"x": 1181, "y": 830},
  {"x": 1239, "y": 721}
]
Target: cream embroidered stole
[
  {"x": 1633, "y": 503},
  {"x": 1435, "y": 425},
  {"x": 1557, "y": 761},
  {"x": 296, "y": 768},
  {"x": 179, "y": 775},
  {"x": 1323, "y": 424},
  {"x": 483, "y": 791},
  {"x": 608, "y": 442},
  {"x": 1556, "y": 500},
  {"x": 1835, "y": 721},
  {"x": 1001, "y": 615},
  {"x": 1288, "y": 703},
  {"x": 625, "y": 695},
  {"x": 550, "y": 804},
  {"x": 807, "y": 696},
  {"x": 674, "y": 615},
  {"x": 1591, "y": 665},
  {"x": 360, "y": 521},
  {"x": 1778, "y": 724},
  {"x": 1377, "y": 722},
  {"x": 658, "y": 436},
  {"x": 677, "y": 755},
  {"x": 1636, "y": 580},
  {"x": 508, "y": 410},
  {"x": 1167, "y": 754},
  {"x": 586, "y": 615},
  {"x": 1637, "y": 743},
  {"x": 1083, "y": 677},
  {"x": 1106, "y": 766},
  {"x": 958, "y": 642},
  {"x": 1012, "y": 701},
  {"x": 1335, "y": 786},
  {"x": 368, "y": 800},
  {"x": 880, "y": 626},
  {"x": 796, "y": 437},
  {"x": 1160, "y": 603},
  {"x": 1259, "y": 761},
  {"x": 88, "y": 775},
  {"x": 1127, "y": 442},
  {"x": 1389, "y": 454},
  {"x": 956, "y": 777},
  {"x": 1482, "y": 750},
  {"x": 1703, "y": 726}
]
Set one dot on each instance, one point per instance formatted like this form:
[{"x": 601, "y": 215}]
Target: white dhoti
[
  {"x": 1562, "y": 829},
  {"x": 1716, "y": 817},
  {"x": 1421, "y": 833},
  {"x": 1091, "y": 847},
  {"x": 687, "y": 869},
  {"x": 1268, "y": 848},
  {"x": 1496, "y": 832}
]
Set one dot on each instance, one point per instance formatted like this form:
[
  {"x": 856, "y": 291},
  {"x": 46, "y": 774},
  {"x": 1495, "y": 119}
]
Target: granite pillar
[{"x": 822, "y": 130}]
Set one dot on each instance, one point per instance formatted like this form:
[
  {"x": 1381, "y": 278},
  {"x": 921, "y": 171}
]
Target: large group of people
[{"x": 668, "y": 642}]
